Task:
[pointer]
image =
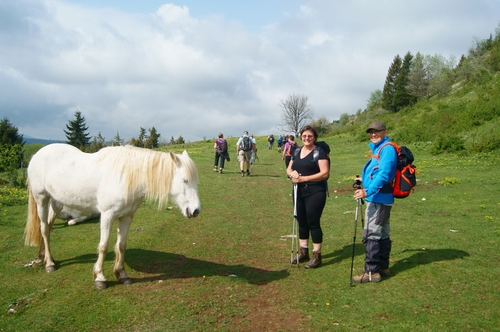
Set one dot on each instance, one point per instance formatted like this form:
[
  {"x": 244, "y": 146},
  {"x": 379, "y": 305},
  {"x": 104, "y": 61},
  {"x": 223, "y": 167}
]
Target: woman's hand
[{"x": 295, "y": 176}]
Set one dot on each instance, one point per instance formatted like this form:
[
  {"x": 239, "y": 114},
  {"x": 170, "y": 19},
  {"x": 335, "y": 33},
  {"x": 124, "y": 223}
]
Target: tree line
[
  {"x": 12, "y": 145},
  {"x": 77, "y": 135}
]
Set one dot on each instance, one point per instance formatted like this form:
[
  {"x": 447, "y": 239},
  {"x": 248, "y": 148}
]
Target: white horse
[
  {"x": 112, "y": 182},
  {"x": 70, "y": 215}
]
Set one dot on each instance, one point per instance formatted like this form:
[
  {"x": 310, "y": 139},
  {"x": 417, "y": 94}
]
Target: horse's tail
[{"x": 32, "y": 233}]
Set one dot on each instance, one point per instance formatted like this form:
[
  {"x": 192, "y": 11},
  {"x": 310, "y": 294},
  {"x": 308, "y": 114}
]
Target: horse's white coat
[{"x": 113, "y": 183}]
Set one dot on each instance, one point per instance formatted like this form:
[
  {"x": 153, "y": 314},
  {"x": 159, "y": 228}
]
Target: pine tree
[
  {"x": 418, "y": 84},
  {"x": 117, "y": 140},
  {"x": 9, "y": 134},
  {"x": 401, "y": 96},
  {"x": 11, "y": 150},
  {"x": 77, "y": 134},
  {"x": 390, "y": 84},
  {"x": 180, "y": 140},
  {"x": 98, "y": 142},
  {"x": 152, "y": 141}
]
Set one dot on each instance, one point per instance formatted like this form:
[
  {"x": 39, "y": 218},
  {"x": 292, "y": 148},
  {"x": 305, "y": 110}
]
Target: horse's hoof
[
  {"x": 50, "y": 269},
  {"x": 100, "y": 284},
  {"x": 125, "y": 281}
]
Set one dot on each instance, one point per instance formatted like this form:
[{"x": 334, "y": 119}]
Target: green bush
[{"x": 448, "y": 143}]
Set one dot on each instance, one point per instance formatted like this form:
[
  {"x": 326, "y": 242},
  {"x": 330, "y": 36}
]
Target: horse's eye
[{"x": 185, "y": 181}]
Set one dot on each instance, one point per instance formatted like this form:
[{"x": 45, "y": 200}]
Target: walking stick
[
  {"x": 359, "y": 210},
  {"x": 295, "y": 226}
]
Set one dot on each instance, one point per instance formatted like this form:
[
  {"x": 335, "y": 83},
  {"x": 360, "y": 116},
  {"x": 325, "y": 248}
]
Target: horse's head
[{"x": 184, "y": 187}]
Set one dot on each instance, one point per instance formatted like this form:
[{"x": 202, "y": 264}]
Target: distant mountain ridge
[{"x": 32, "y": 140}]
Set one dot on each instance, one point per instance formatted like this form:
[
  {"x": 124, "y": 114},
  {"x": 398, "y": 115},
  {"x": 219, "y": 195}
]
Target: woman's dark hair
[{"x": 311, "y": 129}]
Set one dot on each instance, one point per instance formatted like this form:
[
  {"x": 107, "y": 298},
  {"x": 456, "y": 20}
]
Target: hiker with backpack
[
  {"x": 270, "y": 141},
  {"x": 288, "y": 150},
  {"x": 309, "y": 170},
  {"x": 377, "y": 176},
  {"x": 221, "y": 152},
  {"x": 244, "y": 148}
]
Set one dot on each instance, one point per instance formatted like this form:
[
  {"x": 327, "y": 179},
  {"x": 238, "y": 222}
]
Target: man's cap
[
  {"x": 245, "y": 133},
  {"x": 377, "y": 125}
]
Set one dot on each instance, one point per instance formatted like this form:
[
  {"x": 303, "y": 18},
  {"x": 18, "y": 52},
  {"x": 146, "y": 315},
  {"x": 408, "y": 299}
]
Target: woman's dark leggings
[
  {"x": 309, "y": 210},
  {"x": 222, "y": 159}
]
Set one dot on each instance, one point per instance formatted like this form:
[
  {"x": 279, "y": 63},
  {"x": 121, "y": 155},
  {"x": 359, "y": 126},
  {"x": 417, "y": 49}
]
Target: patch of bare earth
[{"x": 266, "y": 311}]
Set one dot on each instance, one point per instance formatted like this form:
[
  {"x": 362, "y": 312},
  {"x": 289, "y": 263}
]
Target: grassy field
[{"x": 228, "y": 269}]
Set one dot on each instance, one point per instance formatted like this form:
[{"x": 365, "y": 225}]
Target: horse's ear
[
  {"x": 185, "y": 153},
  {"x": 175, "y": 158}
]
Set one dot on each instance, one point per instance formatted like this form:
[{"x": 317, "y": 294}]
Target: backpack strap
[
  {"x": 296, "y": 153},
  {"x": 396, "y": 147},
  {"x": 387, "y": 188}
]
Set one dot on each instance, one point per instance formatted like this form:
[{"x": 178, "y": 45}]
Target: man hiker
[
  {"x": 244, "y": 148},
  {"x": 376, "y": 190}
]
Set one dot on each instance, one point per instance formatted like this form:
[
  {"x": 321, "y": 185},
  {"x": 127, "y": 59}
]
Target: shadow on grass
[
  {"x": 345, "y": 253},
  {"x": 170, "y": 266},
  {"x": 427, "y": 256},
  {"x": 419, "y": 256}
]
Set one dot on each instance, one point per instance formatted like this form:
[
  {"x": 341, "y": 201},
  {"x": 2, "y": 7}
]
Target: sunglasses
[{"x": 307, "y": 136}]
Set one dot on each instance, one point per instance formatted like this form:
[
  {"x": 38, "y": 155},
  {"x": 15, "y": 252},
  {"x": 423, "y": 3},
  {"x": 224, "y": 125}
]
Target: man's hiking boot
[
  {"x": 248, "y": 172},
  {"x": 367, "y": 277},
  {"x": 220, "y": 170},
  {"x": 303, "y": 256},
  {"x": 385, "y": 273},
  {"x": 215, "y": 169},
  {"x": 242, "y": 173},
  {"x": 315, "y": 261}
]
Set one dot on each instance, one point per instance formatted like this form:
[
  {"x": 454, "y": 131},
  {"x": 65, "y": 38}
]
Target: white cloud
[{"x": 196, "y": 76}]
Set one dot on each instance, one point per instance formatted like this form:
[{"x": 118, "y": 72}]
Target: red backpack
[{"x": 406, "y": 172}]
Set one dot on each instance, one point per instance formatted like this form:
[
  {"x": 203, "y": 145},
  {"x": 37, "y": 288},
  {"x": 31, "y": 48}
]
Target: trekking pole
[
  {"x": 359, "y": 210},
  {"x": 295, "y": 226}
]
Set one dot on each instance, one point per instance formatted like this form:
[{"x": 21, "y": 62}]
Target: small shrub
[{"x": 448, "y": 143}]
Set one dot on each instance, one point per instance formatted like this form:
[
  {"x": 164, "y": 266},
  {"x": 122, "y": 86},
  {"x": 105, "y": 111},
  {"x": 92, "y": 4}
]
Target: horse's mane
[{"x": 151, "y": 171}]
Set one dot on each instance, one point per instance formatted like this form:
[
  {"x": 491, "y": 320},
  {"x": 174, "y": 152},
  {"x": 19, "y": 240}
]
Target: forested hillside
[{"x": 429, "y": 100}]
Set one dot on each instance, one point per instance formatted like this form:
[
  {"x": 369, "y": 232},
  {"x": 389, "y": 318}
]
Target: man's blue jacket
[{"x": 378, "y": 173}]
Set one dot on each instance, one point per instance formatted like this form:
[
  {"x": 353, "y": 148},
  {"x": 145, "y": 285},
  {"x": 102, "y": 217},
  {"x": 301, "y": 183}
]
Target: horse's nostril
[{"x": 192, "y": 215}]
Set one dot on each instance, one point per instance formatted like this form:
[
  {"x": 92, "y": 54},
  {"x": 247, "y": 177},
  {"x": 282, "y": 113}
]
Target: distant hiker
[
  {"x": 221, "y": 152},
  {"x": 310, "y": 177},
  {"x": 377, "y": 176},
  {"x": 270, "y": 141},
  {"x": 254, "y": 151},
  {"x": 288, "y": 150},
  {"x": 244, "y": 148}
]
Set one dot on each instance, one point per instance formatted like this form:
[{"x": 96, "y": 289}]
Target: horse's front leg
[
  {"x": 120, "y": 247},
  {"x": 45, "y": 227},
  {"x": 106, "y": 224}
]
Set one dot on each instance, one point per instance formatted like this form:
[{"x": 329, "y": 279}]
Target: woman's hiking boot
[
  {"x": 303, "y": 256},
  {"x": 315, "y": 261}
]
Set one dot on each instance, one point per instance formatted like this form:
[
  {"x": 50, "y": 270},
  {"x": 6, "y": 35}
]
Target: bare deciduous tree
[{"x": 296, "y": 112}]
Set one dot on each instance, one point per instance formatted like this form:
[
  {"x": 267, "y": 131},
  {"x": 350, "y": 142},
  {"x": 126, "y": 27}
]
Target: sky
[{"x": 194, "y": 68}]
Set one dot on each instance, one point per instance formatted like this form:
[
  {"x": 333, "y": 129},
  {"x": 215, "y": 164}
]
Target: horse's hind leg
[
  {"x": 120, "y": 247},
  {"x": 45, "y": 228},
  {"x": 106, "y": 223}
]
